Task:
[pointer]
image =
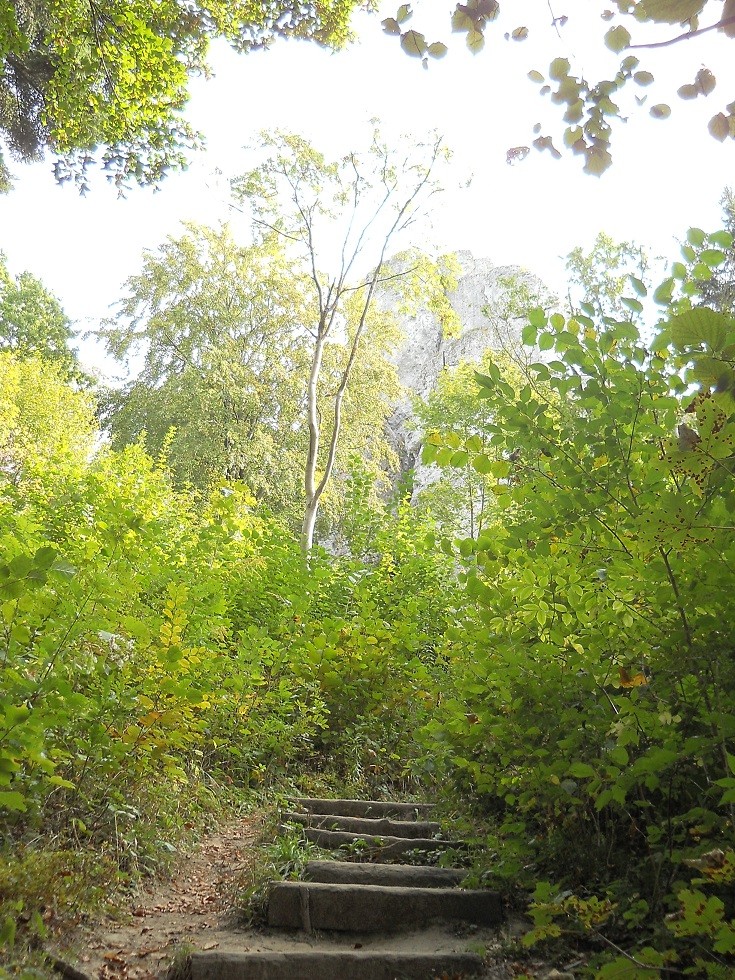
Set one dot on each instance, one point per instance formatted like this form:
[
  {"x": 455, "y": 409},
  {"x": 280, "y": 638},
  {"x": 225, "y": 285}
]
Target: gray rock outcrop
[{"x": 482, "y": 302}]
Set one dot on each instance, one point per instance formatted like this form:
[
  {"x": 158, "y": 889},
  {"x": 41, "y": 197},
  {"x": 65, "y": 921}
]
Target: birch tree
[{"x": 341, "y": 219}]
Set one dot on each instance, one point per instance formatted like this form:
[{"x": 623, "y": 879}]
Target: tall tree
[
  {"x": 80, "y": 75},
  {"x": 216, "y": 334},
  {"x": 43, "y": 418},
  {"x": 716, "y": 284},
  {"x": 339, "y": 219},
  {"x": 217, "y": 327},
  {"x": 32, "y": 321}
]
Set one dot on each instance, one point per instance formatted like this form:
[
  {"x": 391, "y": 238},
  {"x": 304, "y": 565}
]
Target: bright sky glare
[{"x": 666, "y": 175}]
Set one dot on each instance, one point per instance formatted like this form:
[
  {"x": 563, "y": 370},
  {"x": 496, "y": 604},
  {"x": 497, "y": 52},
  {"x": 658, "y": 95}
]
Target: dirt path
[
  {"x": 190, "y": 911},
  {"x": 193, "y": 911}
]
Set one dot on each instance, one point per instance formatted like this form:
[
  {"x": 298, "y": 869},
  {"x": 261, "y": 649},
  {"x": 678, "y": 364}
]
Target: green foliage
[
  {"x": 221, "y": 386},
  {"x": 600, "y": 278},
  {"x": 224, "y": 334},
  {"x": 32, "y": 321},
  {"x": 43, "y": 421},
  {"x": 75, "y": 77},
  {"x": 158, "y": 646},
  {"x": 593, "y": 672}
]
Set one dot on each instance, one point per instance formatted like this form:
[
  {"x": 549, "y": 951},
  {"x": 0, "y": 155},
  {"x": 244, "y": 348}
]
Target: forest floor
[{"x": 194, "y": 909}]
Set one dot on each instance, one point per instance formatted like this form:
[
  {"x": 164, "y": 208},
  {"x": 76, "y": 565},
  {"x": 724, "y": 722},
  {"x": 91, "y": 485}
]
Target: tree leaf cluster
[
  {"x": 591, "y": 105},
  {"x": 105, "y": 82}
]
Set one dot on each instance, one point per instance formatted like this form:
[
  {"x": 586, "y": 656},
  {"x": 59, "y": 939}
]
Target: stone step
[
  {"x": 363, "y": 808},
  {"x": 333, "y": 965},
  {"x": 380, "y": 827},
  {"x": 376, "y": 908},
  {"x": 378, "y": 847},
  {"x": 405, "y": 875}
]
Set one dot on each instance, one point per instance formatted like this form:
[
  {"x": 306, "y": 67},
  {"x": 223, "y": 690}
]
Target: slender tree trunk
[
  {"x": 312, "y": 458},
  {"x": 314, "y": 492}
]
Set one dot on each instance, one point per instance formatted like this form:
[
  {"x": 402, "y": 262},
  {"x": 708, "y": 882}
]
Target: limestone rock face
[{"x": 479, "y": 300}]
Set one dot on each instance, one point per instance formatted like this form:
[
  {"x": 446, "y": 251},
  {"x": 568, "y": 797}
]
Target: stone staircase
[{"x": 350, "y": 912}]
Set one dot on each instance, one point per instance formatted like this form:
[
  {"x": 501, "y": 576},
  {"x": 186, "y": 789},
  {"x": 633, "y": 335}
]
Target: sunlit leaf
[
  {"x": 475, "y": 41},
  {"x": 668, "y": 11},
  {"x": 414, "y": 44},
  {"x": 617, "y": 38},
  {"x": 438, "y": 49}
]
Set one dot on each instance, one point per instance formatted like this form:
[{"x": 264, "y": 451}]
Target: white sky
[{"x": 666, "y": 175}]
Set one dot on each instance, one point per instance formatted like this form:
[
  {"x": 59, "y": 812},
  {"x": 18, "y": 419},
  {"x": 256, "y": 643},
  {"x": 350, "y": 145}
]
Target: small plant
[{"x": 282, "y": 860}]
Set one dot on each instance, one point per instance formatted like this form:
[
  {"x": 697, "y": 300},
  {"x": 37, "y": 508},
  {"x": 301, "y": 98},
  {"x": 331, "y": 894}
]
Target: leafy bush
[{"x": 594, "y": 670}]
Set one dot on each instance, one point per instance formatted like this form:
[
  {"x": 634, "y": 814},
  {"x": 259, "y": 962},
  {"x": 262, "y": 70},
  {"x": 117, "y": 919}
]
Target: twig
[{"x": 684, "y": 37}]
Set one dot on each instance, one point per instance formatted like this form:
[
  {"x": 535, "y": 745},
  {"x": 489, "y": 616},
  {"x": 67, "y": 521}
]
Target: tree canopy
[
  {"x": 223, "y": 332},
  {"x": 32, "y": 321},
  {"x": 105, "y": 81}
]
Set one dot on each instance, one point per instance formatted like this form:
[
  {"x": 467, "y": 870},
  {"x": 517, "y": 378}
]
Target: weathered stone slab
[
  {"x": 405, "y": 875},
  {"x": 373, "y": 908},
  {"x": 332, "y": 965},
  {"x": 381, "y": 827},
  {"x": 379, "y": 847},
  {"x": 363, "y": 808}
]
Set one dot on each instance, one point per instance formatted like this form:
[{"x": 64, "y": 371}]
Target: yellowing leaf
[{"x": 632, "y": 680}]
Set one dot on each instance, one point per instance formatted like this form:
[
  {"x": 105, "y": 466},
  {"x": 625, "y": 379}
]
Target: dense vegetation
[{"x": 554, "y": 647}]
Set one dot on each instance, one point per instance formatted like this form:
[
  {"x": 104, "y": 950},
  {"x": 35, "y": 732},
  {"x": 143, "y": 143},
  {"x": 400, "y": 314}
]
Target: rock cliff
[{"x": 482, "y": 302}]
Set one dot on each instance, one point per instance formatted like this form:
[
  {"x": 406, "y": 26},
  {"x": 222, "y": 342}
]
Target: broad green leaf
[
  {"x": 632, "y": 304},
  {"x": 414, "y": 44},
  {"x": 437, "y": 50},
  {"x": 663, "y": 293},
  {"x": 559, "y": 69},
  {"x": 12, "y": 800},
  {"x": 617, "y": 38},
  {"x": 483, "y": 464},
  {"x": 700, "y": 326},
  {"x": 722, "y": 238},
  {"x": 581, "y": 770},
  {"x": 475, "y": 41},
  {"x": 712, "y": 257},
  {"x": 706, "y": 81},
  {"x": 668, "y": 11},
  {"x": 537, "y": 317},
  {"x": 638, "y": 286}
]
